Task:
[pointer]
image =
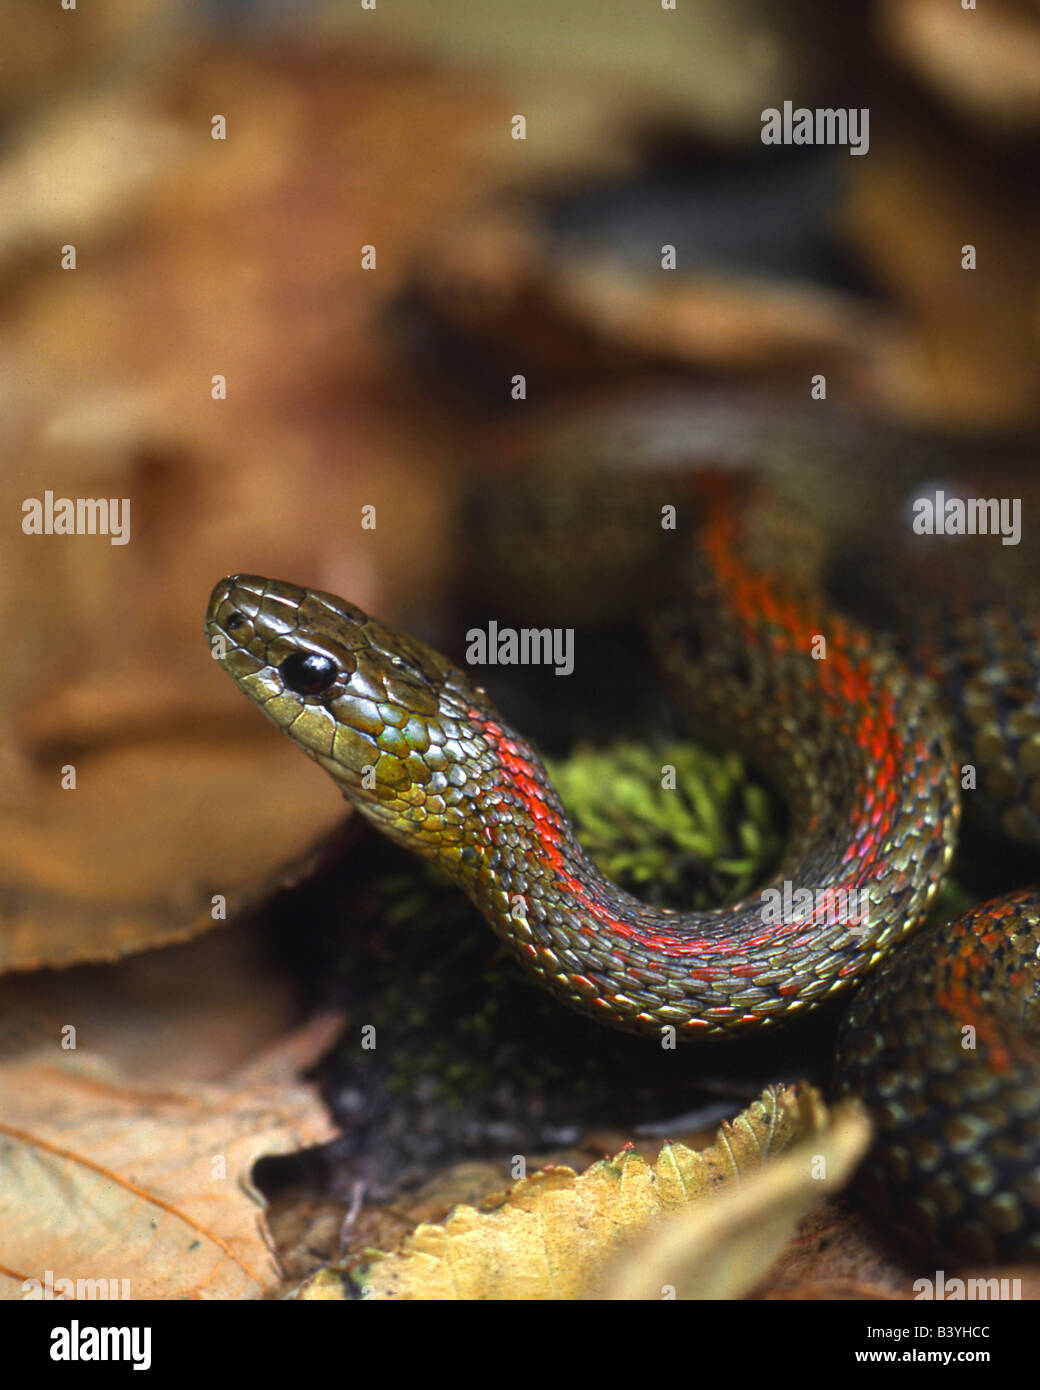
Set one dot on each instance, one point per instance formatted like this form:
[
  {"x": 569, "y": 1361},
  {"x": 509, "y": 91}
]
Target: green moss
[{"x": 675, "y": 825}]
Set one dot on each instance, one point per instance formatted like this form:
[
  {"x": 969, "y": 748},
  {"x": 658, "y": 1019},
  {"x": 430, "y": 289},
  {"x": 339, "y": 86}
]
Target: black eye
[
  {"x": 233, "y": 620},
  {"x": 308, "y": 673}
]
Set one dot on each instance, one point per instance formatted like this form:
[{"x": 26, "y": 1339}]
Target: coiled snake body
[{"x": 939, "y": 1043}]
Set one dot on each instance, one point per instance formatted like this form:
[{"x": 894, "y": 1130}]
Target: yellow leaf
[{"x": 555, "y": 1231}]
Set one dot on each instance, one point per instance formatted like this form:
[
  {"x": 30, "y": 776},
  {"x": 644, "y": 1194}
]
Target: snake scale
[{"x": 940, "y": 1040}]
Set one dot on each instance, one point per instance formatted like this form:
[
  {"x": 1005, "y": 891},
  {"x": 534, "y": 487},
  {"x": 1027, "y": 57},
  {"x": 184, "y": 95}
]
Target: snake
[{"x": 940, "y": 1039}]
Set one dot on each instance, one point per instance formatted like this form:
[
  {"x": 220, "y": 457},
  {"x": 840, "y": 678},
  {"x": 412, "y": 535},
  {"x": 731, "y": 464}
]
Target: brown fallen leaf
[
  {"x": 181, "y": 791},
  {"x": 499, "y": 278},
  {"x": 106, "y": 1179},
  {"x": 841, "y": 1253},
  {"x": 554, "y": 1231},
  {"x": 196, "y": 1012},
  {"x": 304, "y": 1232}
]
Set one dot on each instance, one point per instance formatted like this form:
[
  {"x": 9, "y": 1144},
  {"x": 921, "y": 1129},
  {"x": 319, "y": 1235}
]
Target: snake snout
[{"x": 234, "y": 606}]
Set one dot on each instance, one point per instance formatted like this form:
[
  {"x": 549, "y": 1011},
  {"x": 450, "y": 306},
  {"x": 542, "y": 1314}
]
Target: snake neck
[{"x": 643, "y": 968}]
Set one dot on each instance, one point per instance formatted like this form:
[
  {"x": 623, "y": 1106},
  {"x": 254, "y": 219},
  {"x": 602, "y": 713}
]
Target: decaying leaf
[
  {"x": 553, "y": 1233},
  {"x": 106, "y": 1179}
]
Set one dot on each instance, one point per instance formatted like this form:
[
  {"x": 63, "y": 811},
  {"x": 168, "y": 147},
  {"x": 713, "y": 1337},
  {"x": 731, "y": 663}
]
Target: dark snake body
[{"x": 862, "y": 751}]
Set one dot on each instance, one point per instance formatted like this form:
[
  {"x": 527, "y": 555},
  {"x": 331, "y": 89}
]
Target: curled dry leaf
[
  {"x": 106, "y": 1179},
  {"x": 498, "y": 276},
  {"x": 555, "y": 1230},
  {"x": 721, "y": 1249}
]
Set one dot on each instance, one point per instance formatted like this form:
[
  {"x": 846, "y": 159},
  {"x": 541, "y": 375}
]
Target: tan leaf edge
[{"x": 723, "y": 1248}]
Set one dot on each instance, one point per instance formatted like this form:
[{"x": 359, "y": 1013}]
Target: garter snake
[{"x": 941, "y": 1040}]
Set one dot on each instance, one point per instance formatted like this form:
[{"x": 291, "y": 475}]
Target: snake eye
[
  {"x": 308, "y": 673},
  {"x": 234, "y": 620}
]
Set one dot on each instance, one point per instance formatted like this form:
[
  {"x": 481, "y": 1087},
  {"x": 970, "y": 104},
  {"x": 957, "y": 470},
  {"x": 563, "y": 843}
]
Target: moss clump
[{"x": 676, "y": 824}]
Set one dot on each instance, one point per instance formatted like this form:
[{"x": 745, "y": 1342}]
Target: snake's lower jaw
[
  {"x": 358, "y": 788},
  {"x": 388, "y": 820}
]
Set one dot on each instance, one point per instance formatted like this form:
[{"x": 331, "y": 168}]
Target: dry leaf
[
  {"x": 106, "y": 1179},
  {"x": 555, "y": 1229},
  {"x": 72, "y": 175},
  {"x": 197, "y": 1012},
  {"x": 501, "y": 280},
  {"x": 732, "y": 323},
  {"x": 182, "y": 792},
  {"x": 843, "y": 1254},
  {"x": 49, "y": 47},
  {"x": 720, "y": 1249}
]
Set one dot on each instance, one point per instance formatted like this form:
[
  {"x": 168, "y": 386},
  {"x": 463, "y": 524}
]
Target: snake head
[{"x": 379, "y": 710}]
